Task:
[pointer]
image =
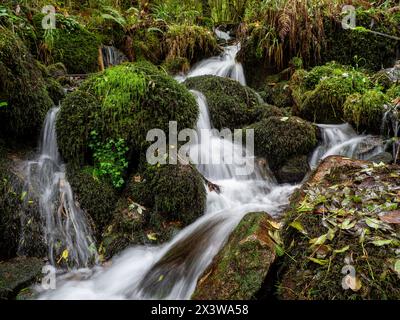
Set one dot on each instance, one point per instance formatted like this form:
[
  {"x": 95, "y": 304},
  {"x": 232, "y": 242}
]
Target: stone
[{"x": 239, "y": 269}]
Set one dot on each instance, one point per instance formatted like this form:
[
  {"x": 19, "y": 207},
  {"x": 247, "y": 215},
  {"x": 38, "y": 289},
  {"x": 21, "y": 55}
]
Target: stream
[{"x": 171, "y": 271}]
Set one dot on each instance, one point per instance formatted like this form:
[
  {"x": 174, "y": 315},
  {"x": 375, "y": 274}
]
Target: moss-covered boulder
[
  {"x": 20, "y": 223},
  {"x": 239, "y": 269},
  {"x": 279, "y": 94},
  {"x": 17, "y": 274},
  {"x": 324, "y": 103},
  {"x": 231, "y": 105},
  {"x": 342, "y": 234},
  {"x": 191, "y": 42},
  {"x": 280, "y": 138},
  {"x": 156, "y": 203},
  {"x": 94, "y": 194},
  {"x": 23, "y": 97},
  {"x": 70, "y": 43},
  {"x": 365, "y": 111},
  {"x": 359, "y": 46},
  {"x": 124, "y": 102}
]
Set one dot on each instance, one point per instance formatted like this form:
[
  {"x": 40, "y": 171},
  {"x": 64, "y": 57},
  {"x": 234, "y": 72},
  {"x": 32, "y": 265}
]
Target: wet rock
[
  {"x": 281, "y": 138},
  {"x": 238, "y": 271},
  {"x": 17, "y": 274},
  {"x": 294, "y": 170},
  {"x": 384, "y": 157},
  {"x": 342, "y": 234},
  {"x": 388, "y": 77}
]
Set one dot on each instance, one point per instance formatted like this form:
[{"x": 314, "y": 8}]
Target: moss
[
  {"x": 325, "y": 103},
  {"x": 325, "y": 206},
  {"x": 177, "y": 65},
  {"x": 394, "y": 92},
  {"x": 366, "y": 111},
  {"x": 239, "y": 269},
  {"x": 174, "y": 191},
  {"x": 71, "y": 44},
  {"x": 156, "y": 203},
  {"x": 359, "y": 47},
  {"x": 280, "y": 94},
  {"x": 231, "y": 105},
  {"x": 280, "y": 138},
  {"x": 23, "y": 89},
  {"x": 57, "y": 70},
  {"x": 191, "y": 42},
  {"x": 17, "y": 274},
  {"x": 20, "y": 224},
  {"x": 55, "y": 90},
  {"x": 94, "y": 195},
  {"x": 125, "y": 102}
]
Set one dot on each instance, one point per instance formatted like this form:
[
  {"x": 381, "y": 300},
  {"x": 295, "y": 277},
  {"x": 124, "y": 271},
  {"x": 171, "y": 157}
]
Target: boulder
[
  {"x": 280, "y": 138},
  {"x": 342, "y": 234},
  {"x": 23, "y": 96},
  {"x": 294, "y": 170},
  {"x": 17, "y": 274},
  {"x": 384, "y": 157},
  {"x": 239, "y": 269},
  {"x": 231, "y": 105}
]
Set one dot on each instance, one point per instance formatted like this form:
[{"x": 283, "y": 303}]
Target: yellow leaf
[
  {"x": 65, "y": 254},
  {"x": 152, "y": 236}
]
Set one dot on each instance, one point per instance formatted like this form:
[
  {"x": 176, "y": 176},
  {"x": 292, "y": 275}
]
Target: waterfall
[
  {"x": 111, "y": 56},
  {"x": 65, "y": 225},
  {"x": 342, "y": 140},
  {"x": 171, "y": 271},
  {"x": 223, "y": 66},
  {"x": 391, "y": 128}
]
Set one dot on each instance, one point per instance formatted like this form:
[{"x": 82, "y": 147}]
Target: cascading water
[
  {"x": 112, "y": 56},
  {"x": 171, "y": 271},
  {"x": 342, "y": 140},
  {"x": 222, "y": 66},
  {"x": 65, "y": 225}
]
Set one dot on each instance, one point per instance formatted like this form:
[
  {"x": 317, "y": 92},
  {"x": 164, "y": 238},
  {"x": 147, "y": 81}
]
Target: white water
[
  {"x": 65, "y": 225},
  {"x": 222, "y": 66},
  {"x": 112, "y": 56},
  {"x": 171, "y": 271},
  {"x": 222, "y": 35},
  {"x": 342, "y": 140}
]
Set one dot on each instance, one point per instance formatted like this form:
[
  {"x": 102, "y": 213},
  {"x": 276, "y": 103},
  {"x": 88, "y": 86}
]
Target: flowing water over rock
[
  {"x": 342, "y": 140},
  {"x": 65, "y": 225},
  {"x": 223, "y": 66},
  {"x": 111, "y": 56},
  {"x": 171, "y": 271}
]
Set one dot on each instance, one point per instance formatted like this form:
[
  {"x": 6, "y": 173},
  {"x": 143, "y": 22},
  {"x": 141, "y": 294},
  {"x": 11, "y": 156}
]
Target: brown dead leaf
[{"x": 392, "y": 217}]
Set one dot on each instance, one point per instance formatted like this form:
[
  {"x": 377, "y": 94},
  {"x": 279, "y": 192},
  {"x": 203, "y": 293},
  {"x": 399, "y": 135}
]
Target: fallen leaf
[
  {"x": 380, "y": 243},
  {"x": 344, "y": 249},
  {"x": 372, "y": 223},
  {"x": 321, "y": 262},
  {"x": 152, "y": 236},
  {"x": 397, "y": 266},
  {"x": 298, "y": 226}
]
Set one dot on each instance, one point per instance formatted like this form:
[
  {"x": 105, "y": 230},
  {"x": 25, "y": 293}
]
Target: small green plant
[{"x": 110, "y": 158}]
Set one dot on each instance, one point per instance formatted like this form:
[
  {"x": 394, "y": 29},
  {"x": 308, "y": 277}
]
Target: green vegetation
[
  {"x": 109, "y": 159},
  {"x": 341, "y": 221},
  {"x": 231, "y": 105},
  {"x": 22, "y": 89},
  {"x": 280, "y": 138},
  {"x": 124, "y": 102},
  {"x": 328, "y": 88},
  {"x": 366, "y": 111}
]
